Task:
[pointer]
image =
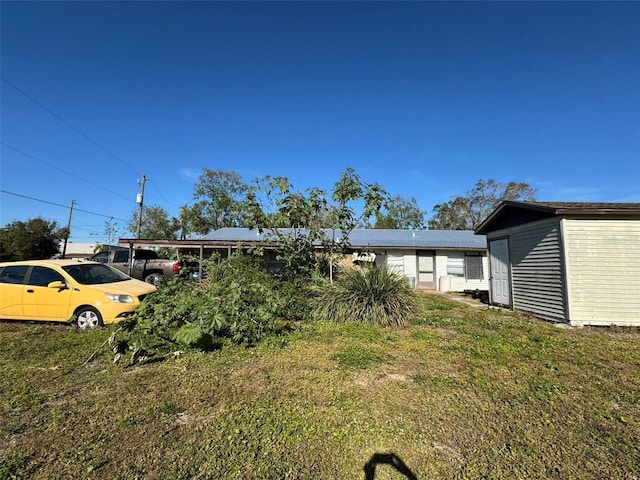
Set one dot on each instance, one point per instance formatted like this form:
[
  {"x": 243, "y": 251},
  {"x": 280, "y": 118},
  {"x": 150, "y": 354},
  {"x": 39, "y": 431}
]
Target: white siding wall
[
  {"x": 403, "y": 262},
  {"x": 460, "y": 284},
  {"x": 441, "y": 266},
  {"x": 395, "y": 262},
  {"x": 603, "y": 269},
  {"x": 411, "y": 265}
]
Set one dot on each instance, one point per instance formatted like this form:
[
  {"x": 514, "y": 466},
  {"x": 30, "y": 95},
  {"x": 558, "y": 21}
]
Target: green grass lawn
[{"x": 462, "y": 393}]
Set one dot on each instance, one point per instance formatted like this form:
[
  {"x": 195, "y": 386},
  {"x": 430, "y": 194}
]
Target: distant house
[
  {"x": 577, "y": 263},
  {"x": 78, "y": 250},
  {"x": 430, "y": 259}
]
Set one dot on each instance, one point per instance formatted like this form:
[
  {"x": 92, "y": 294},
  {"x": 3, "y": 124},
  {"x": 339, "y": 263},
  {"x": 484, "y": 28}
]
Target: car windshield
[{"x": 95, "y": 274}]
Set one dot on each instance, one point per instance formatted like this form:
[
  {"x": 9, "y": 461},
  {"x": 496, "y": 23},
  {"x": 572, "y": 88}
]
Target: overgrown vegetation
[
  {"x": 372, "y": 295},
  {"x": 237, "y": 302},
  {"x": 460, "y": 393}
]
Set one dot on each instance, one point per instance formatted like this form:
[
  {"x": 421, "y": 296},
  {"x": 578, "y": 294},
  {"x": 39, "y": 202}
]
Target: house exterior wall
[
  {"x": 79, "y": 250},
  {"x": 441, "y": 271},
  {"x": 459, "y": 284},
  {"x": 411, "y": 266},
  {"x": 603, "y": 270},
  {"x": 395, "y": 261},
  {"x": 405, "y": 262},
  {"x": 537, "y": 268}
]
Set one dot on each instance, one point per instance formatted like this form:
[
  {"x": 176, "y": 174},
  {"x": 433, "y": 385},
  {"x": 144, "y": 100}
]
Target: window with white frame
[
  {"x": 455, "y": 264},
  {"x": 467, "y": 265}
]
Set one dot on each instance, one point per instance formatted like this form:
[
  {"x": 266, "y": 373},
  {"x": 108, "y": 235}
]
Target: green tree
[
  {"x": 157, "y": 224},
  {"x": 468, "y": 211},
  {"x": 301, "y": 220},
  {"x": 291, "y": 219},
  {"x": 218, "y": 196},
  {"x": 400, "y": 213},
  {"x": 34, "y": 239}
]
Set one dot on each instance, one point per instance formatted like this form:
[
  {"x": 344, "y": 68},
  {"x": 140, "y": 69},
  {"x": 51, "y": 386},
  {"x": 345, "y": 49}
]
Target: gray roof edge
[{"x": 373, "y": 238}]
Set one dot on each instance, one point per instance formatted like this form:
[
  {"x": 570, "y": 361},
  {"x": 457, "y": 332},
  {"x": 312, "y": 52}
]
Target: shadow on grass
[{"x": 387, "y": 459}]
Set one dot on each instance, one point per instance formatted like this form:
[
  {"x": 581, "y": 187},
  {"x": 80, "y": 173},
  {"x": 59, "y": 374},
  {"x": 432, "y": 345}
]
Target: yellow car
[{"x": 56, "y": 290}]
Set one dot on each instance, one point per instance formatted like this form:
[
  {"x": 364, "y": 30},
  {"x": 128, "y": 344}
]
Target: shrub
[
  {"x": 372, "y": 295},
  {"x": 238, "y": 302}
]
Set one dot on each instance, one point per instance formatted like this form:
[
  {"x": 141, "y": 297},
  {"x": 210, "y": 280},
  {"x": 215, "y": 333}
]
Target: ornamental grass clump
[{"x": 370, "y": 295}]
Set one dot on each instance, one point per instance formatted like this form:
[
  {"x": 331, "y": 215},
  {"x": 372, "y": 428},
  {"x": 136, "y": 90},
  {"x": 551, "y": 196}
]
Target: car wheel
[
  {"x": 87, "y": 318},
  {"x": 153, "y": 278}
]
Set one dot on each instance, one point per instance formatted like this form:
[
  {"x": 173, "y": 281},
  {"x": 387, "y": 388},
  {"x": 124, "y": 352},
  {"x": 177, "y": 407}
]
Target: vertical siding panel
[
  {"x": 603, "y": 258},
  {"x": 537, "y": 273}
]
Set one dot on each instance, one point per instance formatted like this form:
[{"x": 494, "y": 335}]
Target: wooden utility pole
[
  {"x": 140, "y": 201},
  {"x": 66, "y": 238}
]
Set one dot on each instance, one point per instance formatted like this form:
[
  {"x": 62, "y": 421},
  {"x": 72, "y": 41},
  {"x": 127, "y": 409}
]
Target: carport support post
[{"x": 131, "y": 259}]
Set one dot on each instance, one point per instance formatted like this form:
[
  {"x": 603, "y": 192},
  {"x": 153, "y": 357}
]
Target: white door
[
  {"x": 426, "y": 270},
  {"x": 499, "y": 251}
]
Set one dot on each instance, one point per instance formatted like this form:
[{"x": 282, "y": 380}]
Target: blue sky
[{"x": 424, "y": 98}]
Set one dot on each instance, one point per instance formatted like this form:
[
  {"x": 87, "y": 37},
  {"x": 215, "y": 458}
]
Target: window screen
[{"x": 473, "y": 267}]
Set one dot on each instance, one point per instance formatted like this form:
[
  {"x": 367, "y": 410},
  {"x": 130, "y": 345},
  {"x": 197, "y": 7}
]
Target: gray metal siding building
[{"x": 577, "y": 263}]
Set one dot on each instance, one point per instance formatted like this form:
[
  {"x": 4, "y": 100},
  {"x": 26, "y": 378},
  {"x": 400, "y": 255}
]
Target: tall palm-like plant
[{"x": 371, "y": 295}]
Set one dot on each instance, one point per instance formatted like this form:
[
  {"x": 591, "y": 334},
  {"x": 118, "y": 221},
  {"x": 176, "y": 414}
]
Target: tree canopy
[
  {"x": 218, "y": 196},
  {"x": 400, "y": 213},
  {"x": 224, "y": 199},
  {"x": 157, "y": 224},
  {"x": 468, "y": 211},
  {"x": 299, "y": 220},
  {"x": 34, "y": 239}
]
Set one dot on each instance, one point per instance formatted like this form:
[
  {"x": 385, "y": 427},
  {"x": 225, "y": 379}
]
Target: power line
[
  {"x": 62, "y": 170},
  {"x": 90, "y": 230},
  {"x": 108, "y": 152},
  {"x": 63, "y": 206},
  {"x": 158, "y": 191},
  {"x": 48, "y": 110}
]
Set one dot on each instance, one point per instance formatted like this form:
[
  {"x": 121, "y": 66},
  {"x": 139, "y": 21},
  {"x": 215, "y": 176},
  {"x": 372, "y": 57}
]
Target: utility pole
[
  {"x": 66, "y": 238},
  {"x": 140, "y": 200}
]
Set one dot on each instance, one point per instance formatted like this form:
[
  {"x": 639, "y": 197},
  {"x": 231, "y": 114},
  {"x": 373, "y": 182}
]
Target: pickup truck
[{"x": 146, "y": 264}]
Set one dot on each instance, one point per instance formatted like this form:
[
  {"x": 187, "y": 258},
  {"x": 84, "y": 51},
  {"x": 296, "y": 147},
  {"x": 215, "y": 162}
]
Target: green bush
[
  {"x": 371, "y": 295},
  {"x": 238, "y": 302}
]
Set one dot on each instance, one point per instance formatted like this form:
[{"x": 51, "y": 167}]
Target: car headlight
[{"x": 117, "y": 298}]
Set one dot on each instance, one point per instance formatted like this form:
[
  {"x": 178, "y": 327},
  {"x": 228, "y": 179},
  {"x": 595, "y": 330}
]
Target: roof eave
[{"x": 552, "y": 210}]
